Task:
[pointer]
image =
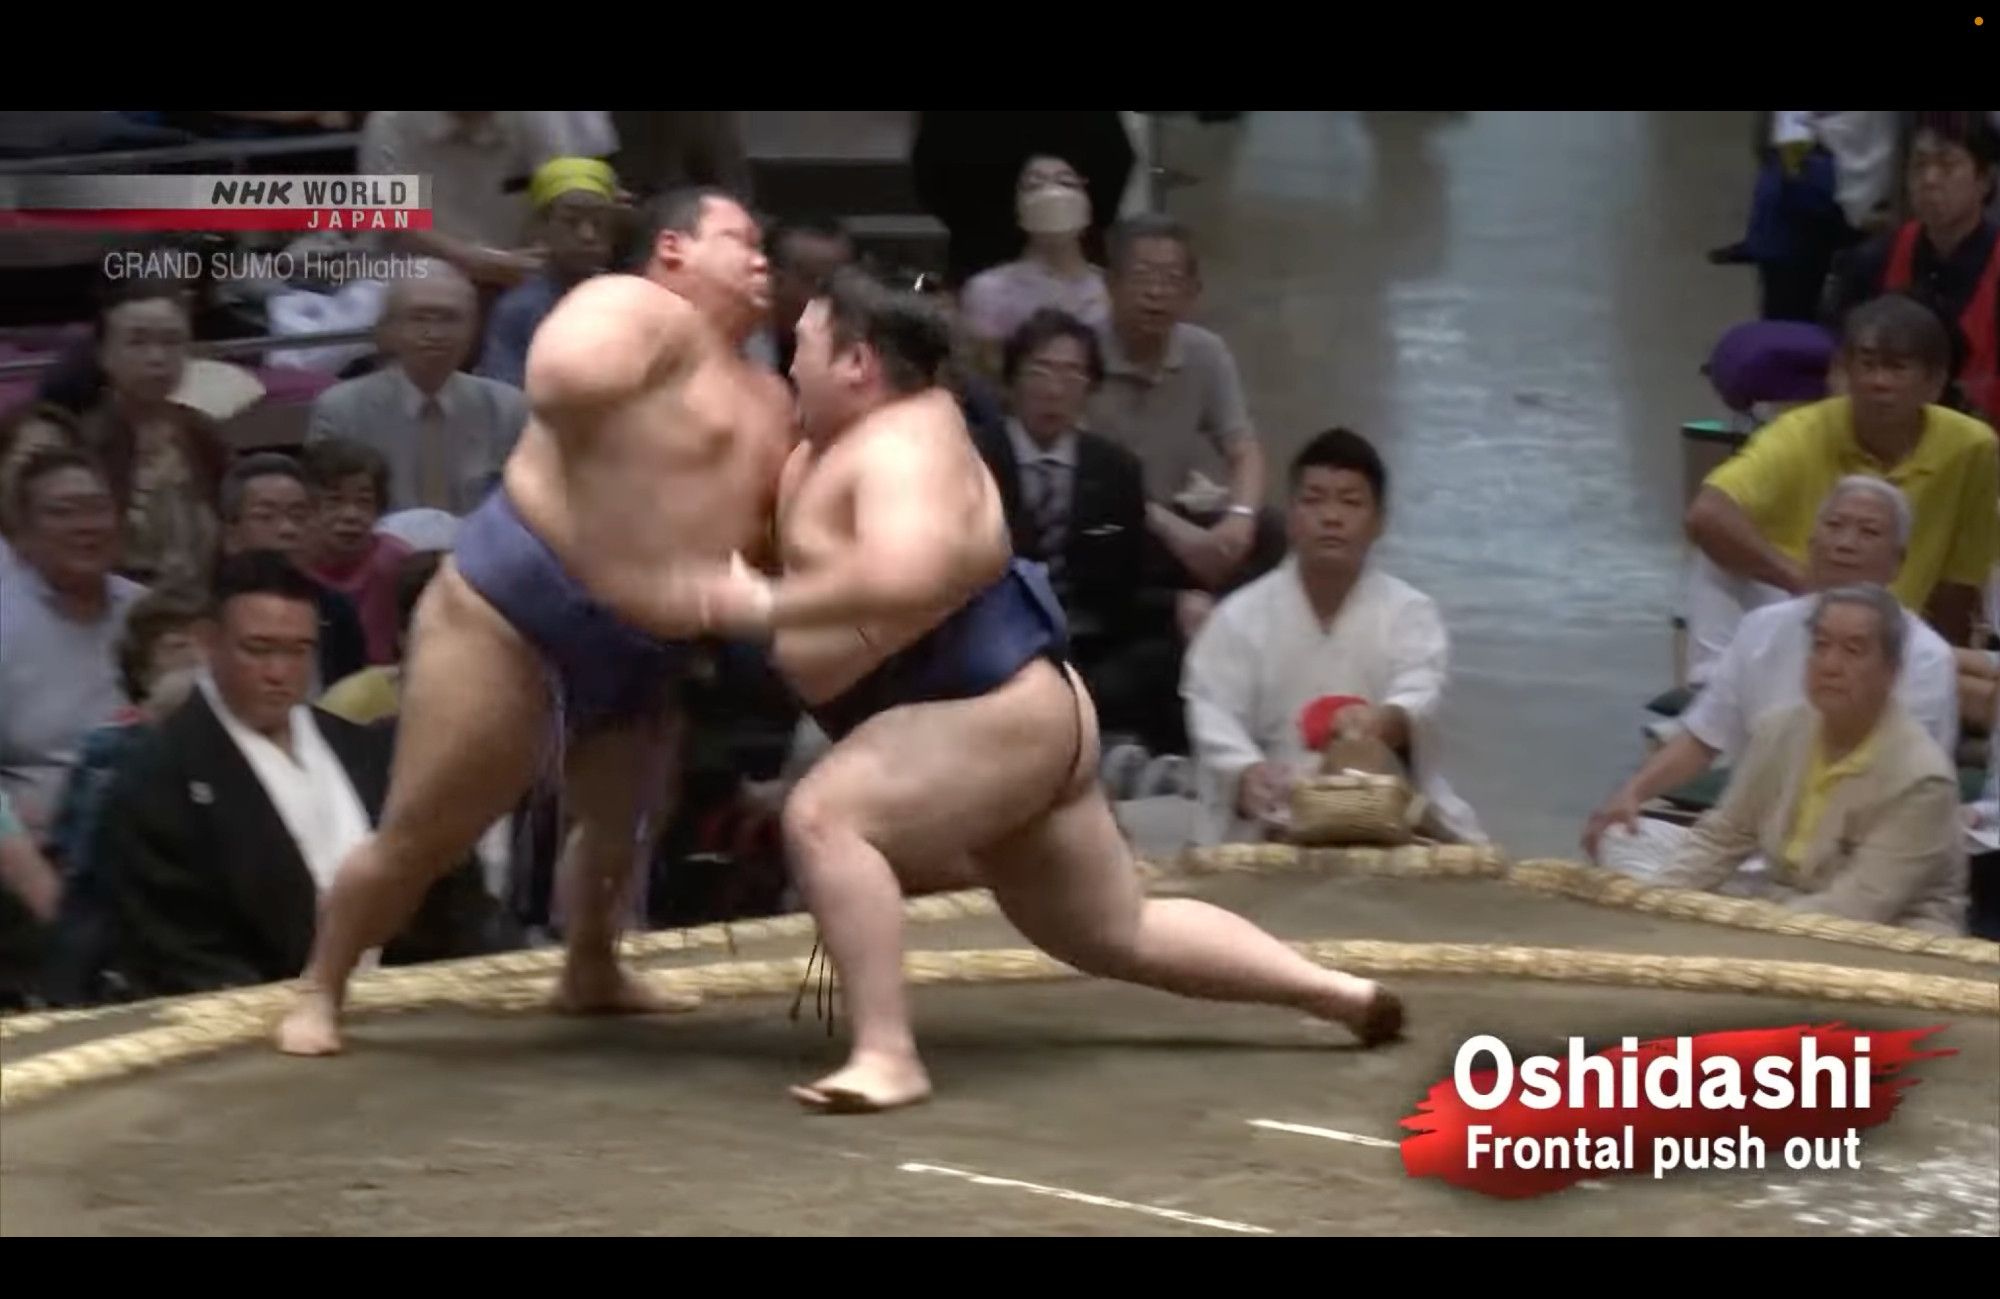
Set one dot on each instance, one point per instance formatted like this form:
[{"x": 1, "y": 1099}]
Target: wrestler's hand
[{"x": 735, "y": 600}]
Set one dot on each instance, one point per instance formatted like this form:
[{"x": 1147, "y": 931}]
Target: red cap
[{"x": 1316, "y": 718}]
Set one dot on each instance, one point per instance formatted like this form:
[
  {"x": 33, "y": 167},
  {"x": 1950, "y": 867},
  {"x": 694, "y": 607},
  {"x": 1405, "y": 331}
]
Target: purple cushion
[{"x": 1770, "y": 360}]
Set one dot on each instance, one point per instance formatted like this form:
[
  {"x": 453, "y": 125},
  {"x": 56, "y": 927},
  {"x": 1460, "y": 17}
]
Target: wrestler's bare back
[
  {"x": 651, "y": 445},
  {"x": 903, "y": 474}
]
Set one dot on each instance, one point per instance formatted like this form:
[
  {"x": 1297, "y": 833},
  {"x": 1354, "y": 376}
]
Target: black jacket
[
  {"x": 1113, "y": 575},
  {"x": 207, "y": 887},
  {"x": 343, "y": 647}
]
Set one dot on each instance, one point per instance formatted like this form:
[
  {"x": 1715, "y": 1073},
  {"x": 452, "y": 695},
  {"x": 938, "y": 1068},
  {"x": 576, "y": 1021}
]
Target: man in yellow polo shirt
[{"x": 1754, "y": 515}]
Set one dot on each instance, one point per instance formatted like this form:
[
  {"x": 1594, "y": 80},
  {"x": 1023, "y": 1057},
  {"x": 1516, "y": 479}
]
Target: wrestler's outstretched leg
[
  {"x": 1069, "y": 883},
  {"x": 473, "y": 726},
  {"x": 902, "y": 788},
  {"x": 613, "y": 776}
]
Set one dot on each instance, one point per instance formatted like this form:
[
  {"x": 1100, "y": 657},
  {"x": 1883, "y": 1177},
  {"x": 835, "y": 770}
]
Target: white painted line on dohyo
[
  {"x": 1103, "y": 1202},
  {"x": 1331, "y": 1134}
]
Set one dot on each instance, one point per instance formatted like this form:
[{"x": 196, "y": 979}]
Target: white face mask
[{"x": 1053, "y": 210}]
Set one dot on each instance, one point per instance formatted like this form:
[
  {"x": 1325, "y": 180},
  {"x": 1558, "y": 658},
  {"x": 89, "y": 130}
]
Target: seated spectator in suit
[
  {"x": 1850, "y": 807},
  {"x": 1172, "y": 397},
  {"x": 227, "y": 824},
  {"x": 1326, "y": 621},
  {"x": 576, "y": 211},
  {"x": 1948, "y": 253},
  {"x": 62, "y": 611},
  {"x": 804, "y": 253},
  {"x": 266, "y": 505},
  {"x": 164, "y": 460},
  {"x": 344, "y": 552},
  {"x": 1754, "y": 516},
  {"x": 159, "y": 659},
  {"x": 375, "y": 694},
  {"x": 444, "y": 433},
  {"x": 1077, "y": 502},
  {"x": 1861, "y": 535},
  {"x": 1052, "y": 205}
]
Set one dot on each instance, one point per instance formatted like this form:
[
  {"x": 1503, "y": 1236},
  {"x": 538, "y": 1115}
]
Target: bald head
[{"x": 428, "y": 321}]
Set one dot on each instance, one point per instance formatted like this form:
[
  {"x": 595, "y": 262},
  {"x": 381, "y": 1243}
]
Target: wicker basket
[
  {"x": 1353, "y": 808},
  {"x": 1359, "y": 796}
]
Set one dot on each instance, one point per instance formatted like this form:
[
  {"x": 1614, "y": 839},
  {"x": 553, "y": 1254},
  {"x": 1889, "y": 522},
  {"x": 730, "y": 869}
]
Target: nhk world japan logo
[{"x": 215, "y": 203}]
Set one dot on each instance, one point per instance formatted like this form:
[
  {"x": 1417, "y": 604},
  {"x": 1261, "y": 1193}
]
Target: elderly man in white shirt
[
  {"x": 445, "y": 433},
  {"x": 1863, "y": 528},
  {"x": 1324, "y": 622}
]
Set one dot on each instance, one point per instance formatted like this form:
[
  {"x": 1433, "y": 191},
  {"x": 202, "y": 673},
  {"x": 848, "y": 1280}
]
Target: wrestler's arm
[
  {"x": 911, "y": 550},
  {"x": 607, "y": 342}
]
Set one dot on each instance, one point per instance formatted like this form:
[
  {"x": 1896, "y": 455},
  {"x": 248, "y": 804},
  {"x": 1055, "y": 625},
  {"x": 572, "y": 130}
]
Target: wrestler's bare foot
[
  {"x": 311, "y": 1026},
  {"x": 594, "y": 988},
  {"x": 1375, "y": 1017},
  {"x": 869, "y": 1083}
]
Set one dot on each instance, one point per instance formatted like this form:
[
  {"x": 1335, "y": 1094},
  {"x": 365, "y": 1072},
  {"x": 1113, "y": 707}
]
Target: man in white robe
[{"x": 1324, "y": 622}]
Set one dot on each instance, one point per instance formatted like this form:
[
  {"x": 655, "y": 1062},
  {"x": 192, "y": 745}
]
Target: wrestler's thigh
[
  {"x": 473, "y": 723},
  {"x": 922, "y": 782},
  {"x": 613, "y": 773},
  {"x": 1068, "y": 880}
]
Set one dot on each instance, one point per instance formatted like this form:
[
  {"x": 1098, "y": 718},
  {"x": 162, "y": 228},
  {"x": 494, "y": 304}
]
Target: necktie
[
  {"x": 433, "y": 458},
  {"x": 1048, "y": 511}
]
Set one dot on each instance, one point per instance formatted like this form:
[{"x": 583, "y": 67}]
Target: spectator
[
  {"x": 1052, "y": 205},
  {"x": 345, "y": 553},
  {"x": 1171, "y": 396},
  {"x": 1077, "y": 502},
  {"x": 62, "y": 611},
  {"x": 375, "y": 694},
  {"x": 163, "y": 460},
  {"x": 445, "y": 434},
  {"x": 804, "y": 253},
  {"x": 575, "y": 201},
  {"x": 24, "y": 872},
  {"x": 32, "y": 429},
  {"x": 1948, "y": 254},
  {"x": 1754, "y": 516},
  {"x": 232, "y": 817},
  {"x": 470, "y": 158},
  {"x": 158, "y": 660},
  {"x": 29, "y": 895},
  {"x": 266, "y": 505},
  {"x": 1852, "y": 807},
  {"x": 966, "y": 164},
  {"x": 1982, "y": 846},
  {"x": 1324, "y": 622},
  {"x": 1860, "y": 538}
]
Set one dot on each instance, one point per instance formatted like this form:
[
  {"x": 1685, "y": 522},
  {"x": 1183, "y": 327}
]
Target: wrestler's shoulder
[
  {"x": 605, "y": 339},
  {"x": 932, "y": 417}
]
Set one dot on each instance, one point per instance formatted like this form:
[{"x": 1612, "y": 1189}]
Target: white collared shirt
[
  {"x": 310, "y": 790},
  {"x": 1764, "y": 669},
  {"x": 483, "y": 418},
  {"x": 1262, "y": 656}
]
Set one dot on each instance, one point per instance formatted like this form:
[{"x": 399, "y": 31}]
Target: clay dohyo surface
[{"x": 1090, "y": 1108}]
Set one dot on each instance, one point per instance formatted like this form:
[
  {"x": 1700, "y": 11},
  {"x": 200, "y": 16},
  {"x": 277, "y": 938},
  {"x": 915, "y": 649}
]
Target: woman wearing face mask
[{"x": 1053, "y": 209}]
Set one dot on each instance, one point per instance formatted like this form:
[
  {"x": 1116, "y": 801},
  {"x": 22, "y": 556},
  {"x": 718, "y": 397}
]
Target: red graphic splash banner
[{"x": 1793, "y": 1097}]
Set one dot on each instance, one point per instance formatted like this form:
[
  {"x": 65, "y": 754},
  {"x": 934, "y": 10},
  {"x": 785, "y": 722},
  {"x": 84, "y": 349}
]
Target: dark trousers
[
  {"x": 1982, "y": 918},
  {"x": 1135, "y": 684}
]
